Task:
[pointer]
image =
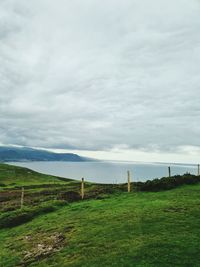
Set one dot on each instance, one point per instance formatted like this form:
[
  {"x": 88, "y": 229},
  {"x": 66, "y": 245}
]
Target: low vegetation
[
  {"x": 167, "y": 183},
  {"x": 109, "y": 228}
]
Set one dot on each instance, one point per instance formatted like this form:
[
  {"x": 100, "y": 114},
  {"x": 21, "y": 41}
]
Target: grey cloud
[{"x": 100, "y": 74}]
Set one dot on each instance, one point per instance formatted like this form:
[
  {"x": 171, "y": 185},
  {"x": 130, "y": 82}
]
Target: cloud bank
[{"x": 100, "y": 75}]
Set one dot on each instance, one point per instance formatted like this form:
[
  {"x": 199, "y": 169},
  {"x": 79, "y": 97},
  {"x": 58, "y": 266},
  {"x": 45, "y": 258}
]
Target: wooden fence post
[
  {"x": 82, "y": 188},
  {"x": 169, "y": 170},
  {"x": 129, "y": 182},
  {"x": 22, "y": 198},
  {"x": 198, "y": 173}
]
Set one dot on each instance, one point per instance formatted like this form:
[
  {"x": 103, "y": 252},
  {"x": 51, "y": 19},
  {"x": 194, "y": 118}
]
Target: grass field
[
  {"x": 42, "y": 188},
  {"x": 14, "y": 176},
  {"x": 119, "y": 229}
]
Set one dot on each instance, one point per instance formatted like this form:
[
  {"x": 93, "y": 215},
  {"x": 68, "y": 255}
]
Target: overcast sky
[{"x": 111, "y": 79}]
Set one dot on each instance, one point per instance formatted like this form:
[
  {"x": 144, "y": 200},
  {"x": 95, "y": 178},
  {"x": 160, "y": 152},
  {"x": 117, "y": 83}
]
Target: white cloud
[{"x": 98, "y": 75}]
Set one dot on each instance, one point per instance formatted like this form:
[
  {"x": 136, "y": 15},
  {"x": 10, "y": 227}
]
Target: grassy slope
[
  {"x": 137, "y": 229},
  {"x": 39, "y": 189},
  {"x": 17, "y": 176}
]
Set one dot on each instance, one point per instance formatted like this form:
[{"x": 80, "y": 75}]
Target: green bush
[{"x": 167, "y": 183}]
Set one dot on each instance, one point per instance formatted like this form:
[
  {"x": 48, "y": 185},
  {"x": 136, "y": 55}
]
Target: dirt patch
[
  {"x": 8, "y": 195},
  {"x": 69, "y": 196},
  {"x": 42, "y": 247}
]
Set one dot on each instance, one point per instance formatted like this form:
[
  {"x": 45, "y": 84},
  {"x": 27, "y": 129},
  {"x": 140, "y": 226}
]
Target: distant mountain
[{"x": 29, "y": 154}]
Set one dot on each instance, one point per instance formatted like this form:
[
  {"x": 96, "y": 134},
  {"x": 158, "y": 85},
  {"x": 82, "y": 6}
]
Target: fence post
[
  {"x": 129, "y": 182},
  {"x": 198, "y": 173},
  {"x": 169, "y": 170},
  {"x": 22, "y": 198},
  {"x": 82, "y": 188}
]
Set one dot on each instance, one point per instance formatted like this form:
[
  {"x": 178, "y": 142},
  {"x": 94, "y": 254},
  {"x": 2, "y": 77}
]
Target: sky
[{"x": 109, "y": 79}]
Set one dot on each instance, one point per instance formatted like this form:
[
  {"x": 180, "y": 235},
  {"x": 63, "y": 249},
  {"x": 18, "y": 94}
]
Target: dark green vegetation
[
  {"x": 110, "y": 228},
  {"x": 26, "y": 153}
]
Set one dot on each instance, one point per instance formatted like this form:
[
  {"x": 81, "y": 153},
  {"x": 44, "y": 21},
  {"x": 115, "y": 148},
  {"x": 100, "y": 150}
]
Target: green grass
[
  {"x": 136, "y": 229},
  {"x": 17, "y": 176},
  {"x": 40, "y": 188},
  {"x": 110, "y": 228}
]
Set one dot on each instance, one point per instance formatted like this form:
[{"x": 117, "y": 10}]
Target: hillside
[
  {"x": 144, "y": 229},
  {"x": 29, "y": 154},
  {"x": 18, "y": 176},
  {"x": 109, "y": 227}
]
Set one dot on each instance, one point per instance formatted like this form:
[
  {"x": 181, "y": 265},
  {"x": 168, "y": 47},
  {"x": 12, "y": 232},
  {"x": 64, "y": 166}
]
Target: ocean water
[{"x": 108, "y": 171}]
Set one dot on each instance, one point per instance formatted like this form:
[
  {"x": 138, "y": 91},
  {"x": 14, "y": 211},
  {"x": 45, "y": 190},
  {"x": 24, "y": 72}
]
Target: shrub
[{"x": 167, "y": 183}]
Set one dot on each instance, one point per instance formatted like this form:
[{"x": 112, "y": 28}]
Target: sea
[{"x": 108, "y": 171}]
